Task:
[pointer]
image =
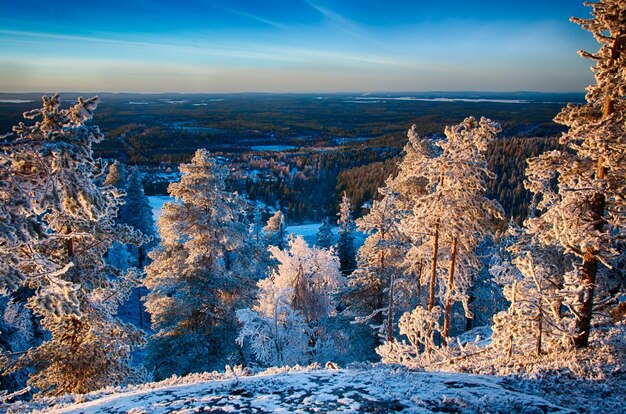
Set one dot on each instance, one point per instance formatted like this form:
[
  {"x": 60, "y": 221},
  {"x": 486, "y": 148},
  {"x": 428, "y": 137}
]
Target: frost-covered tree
[
  {"x": 532, "y": 281},
  {"x": 345, "y": 244},
  {"x": 257, "y": 244},
  {"x": 275, "y": 230},
  {"x": 448, "y": 219},
  {"x": 454, "y": 214},
  {"x": 283, "y": 328},
  {"x": 374, "y": 293},
  {"x": 256, "y": 227},
  {"x": 325, "y": 235},
  {"x": 194, "y": 280},
  {"x": 417, "y": 326},
  {"x": 137, "y": 213},
  {"x": 582, "y": 186},
  {"x": 117, "y": 176},
  {"x": 56, "y": 225}
]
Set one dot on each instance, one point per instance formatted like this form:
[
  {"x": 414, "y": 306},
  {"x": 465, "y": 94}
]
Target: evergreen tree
[
  {"x": 449, "y": 217},
  {"x": 117, "y": 176},
  {"x": 194, "y": 278},
  {"x": 454, "y": 215},
  {"x": 275, "y": 230},
  {"x": 137, "y": 213},
  {"x": 534, "y": 322},
  {"x": 374, "y": 292},
  {"x": 345, "y": 244},
  {"x": 582, "y": 186},
  {"x": 257, "y": 243},
  {"x": 325, "y": 235},
  {"x": 55, "y": 234}
]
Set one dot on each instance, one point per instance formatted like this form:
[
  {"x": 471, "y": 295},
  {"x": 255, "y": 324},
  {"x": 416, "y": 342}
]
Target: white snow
[
  {"x": 156, "y": 202},
  {"x": 364, "y": 389},
  {"x": 273, "y": 148}
]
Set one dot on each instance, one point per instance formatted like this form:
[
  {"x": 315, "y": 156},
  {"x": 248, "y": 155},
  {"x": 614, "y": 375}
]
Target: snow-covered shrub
[{"x": 283, "y": 328}]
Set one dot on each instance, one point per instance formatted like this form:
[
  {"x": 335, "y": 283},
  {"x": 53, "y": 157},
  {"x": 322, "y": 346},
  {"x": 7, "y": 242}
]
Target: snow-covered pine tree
[
  {"x": 283, "y": 328},
  {"x": 55, "y": 234},
  {"x": 451, "y": 218},
  {"x": 345, "y": 244},
  {"x": 582, "y": 186},
  {"x": 119, "y": 255},
  {"x": 137, "y": 213},
  {"x": 275, "y": 230},
  {"x": 373, "y": 295},
  {"x": 325, "y": 235},
  {"x": 256, "y": 227},
  {"x": 117, "y": 176},
  {"x": 194, "y": 280},
  {"x": 257, "y": 244},
  {"x": 533, "y": 284}
]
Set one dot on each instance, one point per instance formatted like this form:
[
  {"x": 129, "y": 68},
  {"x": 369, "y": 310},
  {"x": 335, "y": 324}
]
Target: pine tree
[
  {"x": 275, "y": 230},
  {"x": 454, "y": 215},
  {"x": 325, "y": 235},
  {"x": 194, "y": 279},
  {"x": 345, "y": 244},
  {"x": 283, "y": 328},
  {"x": 449, "y": 217},
  {"x": 117, "y": 176},
  {"x": 55, "y": 234},
  {"x": 257, "y": 244},
  {"x": 375, "y": 283},
  {"x": 582, "y": 186},
  {"x": 534, "y": 322},
  {"x": 137, "y": 213}
]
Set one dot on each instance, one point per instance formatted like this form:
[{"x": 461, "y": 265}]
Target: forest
[{"x": 483, "y": 254}]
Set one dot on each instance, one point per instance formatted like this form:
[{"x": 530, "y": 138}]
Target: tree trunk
[
  {"x": 69, "y": 243},
  {"x": 539, "y": 326},
  {"x": 448, "y": 307},
  {"x": 589, "y": 268},
  {"x": 433, "y": 274},
  {"x": 390, "y": 310}
]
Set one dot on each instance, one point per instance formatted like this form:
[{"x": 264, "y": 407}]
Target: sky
[{"x": 292, "y": 46}]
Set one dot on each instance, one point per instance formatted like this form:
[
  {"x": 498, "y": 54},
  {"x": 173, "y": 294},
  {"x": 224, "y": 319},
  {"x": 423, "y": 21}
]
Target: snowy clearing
[
  {"x": 273, "y": 148},
  {"x": 156, "y": 202},
  {"x": 379, "y": 390}
]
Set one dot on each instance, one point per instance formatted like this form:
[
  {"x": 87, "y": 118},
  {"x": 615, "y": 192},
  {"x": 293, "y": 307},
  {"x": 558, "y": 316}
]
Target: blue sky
[{"x": 292, "y": 46}]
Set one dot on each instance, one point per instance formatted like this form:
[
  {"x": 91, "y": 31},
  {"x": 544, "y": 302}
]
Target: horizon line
[{"x": 362, "y": 93}]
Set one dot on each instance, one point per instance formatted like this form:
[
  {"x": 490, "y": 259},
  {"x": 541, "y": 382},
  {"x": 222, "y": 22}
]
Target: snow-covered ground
[
  {"x": 307, "y": 231},
  {"x": 156, "y": 202},
  {"x": 379, "y": 389},
  {"x": 273, "y": 148}
]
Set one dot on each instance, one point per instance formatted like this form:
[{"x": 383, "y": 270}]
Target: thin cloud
[
  {"x": 249, "y": 51},
  {"x": 342, "y": 23},
  {"x": 257, "y": 18}
]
